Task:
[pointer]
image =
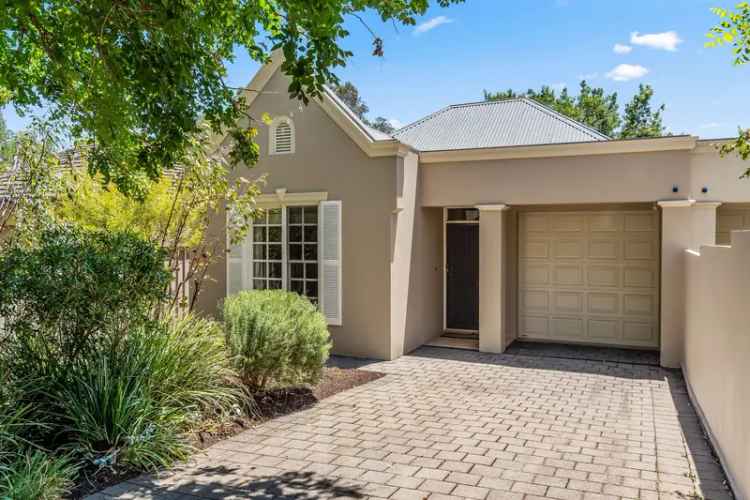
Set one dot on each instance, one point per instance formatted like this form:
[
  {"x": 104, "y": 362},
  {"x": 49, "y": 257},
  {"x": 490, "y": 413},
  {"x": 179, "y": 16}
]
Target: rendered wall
[
  {"x": 326, "y": 159},
  {"x": 717, "y": 349}
]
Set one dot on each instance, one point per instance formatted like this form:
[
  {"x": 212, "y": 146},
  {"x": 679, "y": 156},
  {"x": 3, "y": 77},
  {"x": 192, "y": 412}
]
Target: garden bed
[{"x": 268, "y": 405}]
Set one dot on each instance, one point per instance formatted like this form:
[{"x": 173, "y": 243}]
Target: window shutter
[
  {"x": 237, "y": 259},
  {"x": 283, "y": 138},
  {"x": 330, "y": 262}
]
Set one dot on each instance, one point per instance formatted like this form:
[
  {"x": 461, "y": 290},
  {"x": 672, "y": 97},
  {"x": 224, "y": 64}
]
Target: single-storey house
[{"x": 504, "y": 219}]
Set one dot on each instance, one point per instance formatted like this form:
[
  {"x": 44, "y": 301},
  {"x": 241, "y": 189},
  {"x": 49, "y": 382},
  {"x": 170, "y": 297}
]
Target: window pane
[
  {"x": 295, "y": 215},
  {"x": 296, "y": 271},
  {"x": 259, "y": 284},
  {"x": 311, "y": 215},
  {"x": 311, "y": 233},
  {"x": 295, "y": 234},
  {"x": 259, "y": 234},
  {"x": 295, "y": 252},
  {"x": 311, "y": 271},
  {"x": 274, "y": 284},
  {"x": 274, "y": 252},
  {"x": 297, "y": 286},
  {"x": 274, "y": 270},
  {"x": 274, "y": 216},
  {"x": 311, "y": 252},
  {"x": 260, "y": 217},
  {"x": 259, "y": 269},
  {"x": 463, "y": 214},
  {"x": 274, "y": 234},
  {"x": 311, "y": 288},
  {"x": 259, "y": 252}
]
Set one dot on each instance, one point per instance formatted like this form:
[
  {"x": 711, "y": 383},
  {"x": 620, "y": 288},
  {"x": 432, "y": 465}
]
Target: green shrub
[
  {"x": 275, "y": 338},
  {"x": 34, "y": 475},
  {"x": 132, "y": 404},
  {"x": 61, "y": 291}
]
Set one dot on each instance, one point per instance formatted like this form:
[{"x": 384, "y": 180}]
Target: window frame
[{"x": 272, "y": 136}]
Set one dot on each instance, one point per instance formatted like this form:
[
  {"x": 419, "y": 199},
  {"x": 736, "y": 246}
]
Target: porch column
[
  {"x": 492, "y": 334},
  {"x": 685, "y": 224}
]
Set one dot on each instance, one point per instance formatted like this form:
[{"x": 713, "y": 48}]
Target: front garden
[{"x": 105, "y": 369}]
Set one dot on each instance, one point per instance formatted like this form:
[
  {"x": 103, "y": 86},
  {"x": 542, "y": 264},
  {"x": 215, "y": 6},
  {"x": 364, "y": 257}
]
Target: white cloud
[
  {"x": 395, "y": 123},
  {"x": 431, "y": 24},
  {"x": 625, "y": 72},
  {"x": 669, "y": 40},
  {"x": 620, "y": 48}
]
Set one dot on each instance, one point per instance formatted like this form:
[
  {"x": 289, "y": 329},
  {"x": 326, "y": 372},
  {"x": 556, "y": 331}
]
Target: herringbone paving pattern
[{"x": 459, "y": 424}]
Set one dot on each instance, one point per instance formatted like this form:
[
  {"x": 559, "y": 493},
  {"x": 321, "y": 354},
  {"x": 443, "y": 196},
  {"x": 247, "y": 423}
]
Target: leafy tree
[
  {"x": 349, "y": 93},
  {"x": 640, "y": 120},
  {"x": 734, "y": 30},
  {"x": 135, "y": 78},
  {"x": 597, "y": 109}
]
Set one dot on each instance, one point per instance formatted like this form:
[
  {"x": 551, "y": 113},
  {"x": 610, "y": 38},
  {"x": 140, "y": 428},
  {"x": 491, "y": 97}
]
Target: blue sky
[{"x": 457, "y": 52}]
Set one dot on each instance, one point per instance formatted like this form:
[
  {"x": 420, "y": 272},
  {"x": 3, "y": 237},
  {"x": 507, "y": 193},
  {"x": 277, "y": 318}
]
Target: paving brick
[{"x": 490, "y": 426}]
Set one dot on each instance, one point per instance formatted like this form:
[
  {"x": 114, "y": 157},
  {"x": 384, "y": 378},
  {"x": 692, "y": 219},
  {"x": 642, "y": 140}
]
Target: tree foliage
[
  {"x": 135, "y": 78},
  {"x": 594, "y": 107},
  {"x": 640, "y": 119},
  {"x": 734, "y": 30},
  {"x": 349, "y": 93}
]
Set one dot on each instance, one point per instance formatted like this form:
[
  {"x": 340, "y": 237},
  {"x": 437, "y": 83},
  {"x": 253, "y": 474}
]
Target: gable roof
[{"x": 492, "y": 124}]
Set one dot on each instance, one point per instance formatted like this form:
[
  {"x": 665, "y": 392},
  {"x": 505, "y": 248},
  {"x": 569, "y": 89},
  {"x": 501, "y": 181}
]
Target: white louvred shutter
[
  {"x": 238, "y": 258},
  {"x": 330, "y": 262}
]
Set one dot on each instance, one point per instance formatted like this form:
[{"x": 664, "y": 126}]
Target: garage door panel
[
  {"x": 600, "y": 275},
  {"x": 535, "y": 300},
  {"x": 640, "y": 277},
  {"x": 567, "y": 327},
  {"x": 589, "y": 277},
  {"x": 606, "y": 223},
  {"x": 604, "y": 249},
  {"x": 536, "y": 249},
  {"x": 603, "y": 303},
  {"x": 640, "y": 222},
  {"x": 569, "y": 249},
  {"x": 567, "y": 223},
  {"x": 640, "y": 249},
  {"x": 604, "y": 329},
  {"x": 568, "y": 275},
  {"x": 568, "y": 302}
]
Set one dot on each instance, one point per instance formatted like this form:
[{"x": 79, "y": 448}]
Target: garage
[{"x": 589, "y": 276}]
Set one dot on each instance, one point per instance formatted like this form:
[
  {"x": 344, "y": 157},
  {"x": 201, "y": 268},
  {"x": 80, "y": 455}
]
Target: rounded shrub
[{"x": 275, "y": 338}]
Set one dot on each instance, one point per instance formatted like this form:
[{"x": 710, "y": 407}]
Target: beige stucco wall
[
  {"x": 326, "y": 159},
  {"x": 618, "y": 178},
  {"x": 717, "y": 349}
]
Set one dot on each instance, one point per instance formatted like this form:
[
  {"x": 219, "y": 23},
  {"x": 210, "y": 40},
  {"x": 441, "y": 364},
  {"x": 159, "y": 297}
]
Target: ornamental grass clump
[{"x": 275, "y": 338}]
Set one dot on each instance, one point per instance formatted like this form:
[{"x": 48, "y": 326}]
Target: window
[
  {"x": 289, "y": 263},
  {"x": 294, "y": 245},
  {"x": 281, "y": 137}
]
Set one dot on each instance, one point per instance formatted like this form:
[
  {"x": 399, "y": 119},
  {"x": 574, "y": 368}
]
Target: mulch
[{"x": 266, "y": 406}]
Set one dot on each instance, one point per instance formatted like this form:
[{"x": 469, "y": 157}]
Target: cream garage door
[{"x": 589, "y": 277}]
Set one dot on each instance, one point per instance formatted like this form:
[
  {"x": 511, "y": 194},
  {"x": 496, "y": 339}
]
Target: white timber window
[
  {"x": 281, "y": 136},
  {"x": 295, "y": 245}
]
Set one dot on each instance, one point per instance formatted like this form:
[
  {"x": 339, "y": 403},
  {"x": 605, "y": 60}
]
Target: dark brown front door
[{"x": 462, "y": 277}]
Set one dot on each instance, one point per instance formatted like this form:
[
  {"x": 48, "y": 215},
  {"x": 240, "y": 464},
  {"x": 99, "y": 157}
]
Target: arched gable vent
[{"x": 282, "y": 136}]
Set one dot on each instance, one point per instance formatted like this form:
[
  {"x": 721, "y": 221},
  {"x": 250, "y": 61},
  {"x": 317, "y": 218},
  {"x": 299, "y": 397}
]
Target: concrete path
[{"x": 459, "y": 424}]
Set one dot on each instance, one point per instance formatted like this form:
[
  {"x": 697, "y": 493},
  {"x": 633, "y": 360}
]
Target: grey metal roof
[{"x": 491, "y": 124}]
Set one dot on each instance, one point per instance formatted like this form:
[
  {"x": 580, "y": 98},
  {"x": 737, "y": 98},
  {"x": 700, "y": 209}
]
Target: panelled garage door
[{"x": 589, "y": 277}]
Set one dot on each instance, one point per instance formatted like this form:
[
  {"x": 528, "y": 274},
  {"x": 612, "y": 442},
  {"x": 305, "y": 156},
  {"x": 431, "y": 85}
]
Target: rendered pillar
[{"x": 492, "y": 276}]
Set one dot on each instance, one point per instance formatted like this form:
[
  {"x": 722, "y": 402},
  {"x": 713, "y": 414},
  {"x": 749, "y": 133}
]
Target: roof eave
[{"x": 623, "y": 146}]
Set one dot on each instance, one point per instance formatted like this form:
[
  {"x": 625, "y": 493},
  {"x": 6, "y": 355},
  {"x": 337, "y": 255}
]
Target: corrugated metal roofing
[{"x": 491, "y": 124}]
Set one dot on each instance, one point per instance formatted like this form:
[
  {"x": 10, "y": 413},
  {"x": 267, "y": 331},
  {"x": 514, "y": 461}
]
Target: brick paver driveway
[{"x": 458, "y": 424}]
